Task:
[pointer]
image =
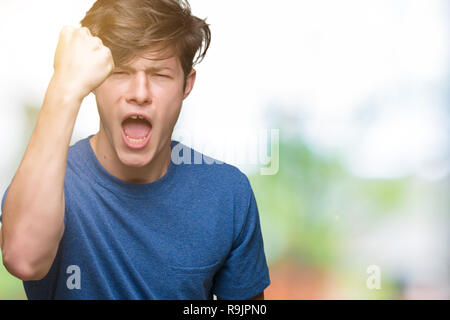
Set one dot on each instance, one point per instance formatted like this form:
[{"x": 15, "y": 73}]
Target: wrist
[{"x": 65, "y": 92}]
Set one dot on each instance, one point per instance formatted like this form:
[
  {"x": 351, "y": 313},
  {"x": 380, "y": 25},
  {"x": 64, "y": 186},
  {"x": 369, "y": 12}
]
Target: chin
[{"x": 135, "y": 160}]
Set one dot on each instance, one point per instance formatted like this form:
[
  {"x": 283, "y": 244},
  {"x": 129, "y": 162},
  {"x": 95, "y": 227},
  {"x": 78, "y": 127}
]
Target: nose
[{"x": 139, "y": 91}]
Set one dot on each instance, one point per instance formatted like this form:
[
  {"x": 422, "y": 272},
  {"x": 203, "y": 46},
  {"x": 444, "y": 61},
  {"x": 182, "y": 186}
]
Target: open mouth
[{"x": 136, "y": 131}]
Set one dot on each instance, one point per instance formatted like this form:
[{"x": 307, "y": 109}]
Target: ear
[{"x": 190, "y": 80}]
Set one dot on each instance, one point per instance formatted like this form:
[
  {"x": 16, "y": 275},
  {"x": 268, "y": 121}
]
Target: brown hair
[{"x": 129, "y": 27}]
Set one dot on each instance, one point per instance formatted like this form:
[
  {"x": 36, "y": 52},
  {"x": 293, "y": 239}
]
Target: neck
[{"x": 106, "y": 155}]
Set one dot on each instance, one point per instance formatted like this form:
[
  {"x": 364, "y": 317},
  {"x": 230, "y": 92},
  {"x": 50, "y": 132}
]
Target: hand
[{"x": 82, "y": 62}]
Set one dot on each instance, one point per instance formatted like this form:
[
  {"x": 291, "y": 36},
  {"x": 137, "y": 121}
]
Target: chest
[{"x": 187, "y": 232}]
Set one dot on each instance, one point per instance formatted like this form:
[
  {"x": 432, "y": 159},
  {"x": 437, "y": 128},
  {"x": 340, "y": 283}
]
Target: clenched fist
[{"x": 82, "y": 62}]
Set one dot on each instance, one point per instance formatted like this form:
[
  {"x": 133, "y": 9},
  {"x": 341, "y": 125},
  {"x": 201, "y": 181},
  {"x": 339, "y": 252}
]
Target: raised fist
[{"x": 82, "y": 62}]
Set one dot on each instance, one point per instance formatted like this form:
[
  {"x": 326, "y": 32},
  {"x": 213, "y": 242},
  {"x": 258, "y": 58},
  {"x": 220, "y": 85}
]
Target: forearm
[{"x": 33, "y": 213}]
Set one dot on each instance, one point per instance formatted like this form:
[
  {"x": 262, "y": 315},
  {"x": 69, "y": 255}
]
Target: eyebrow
[{"x": 151, "y": 69}]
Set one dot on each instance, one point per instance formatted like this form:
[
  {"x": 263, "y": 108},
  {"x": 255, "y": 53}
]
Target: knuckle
[
  {"x": 107, "y": 52},
  {"x": 66, "y": 30},
  {"x": 110, "y": 67},
  {"x": 83, "y": 31},
  {"x": 98, "y": 41}
]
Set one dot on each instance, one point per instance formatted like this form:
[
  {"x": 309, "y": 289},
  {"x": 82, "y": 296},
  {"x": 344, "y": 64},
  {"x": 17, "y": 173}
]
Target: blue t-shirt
[{"x": 192, "y": 233}]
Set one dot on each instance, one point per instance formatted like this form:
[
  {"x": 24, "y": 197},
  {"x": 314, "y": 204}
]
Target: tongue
[{"x": 136, "y": 128}]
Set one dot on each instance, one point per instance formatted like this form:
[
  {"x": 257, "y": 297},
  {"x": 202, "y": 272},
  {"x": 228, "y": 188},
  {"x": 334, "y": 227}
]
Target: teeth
[
  {"x": 137, "y": 117},
  {"x": 135, "y": 140}
]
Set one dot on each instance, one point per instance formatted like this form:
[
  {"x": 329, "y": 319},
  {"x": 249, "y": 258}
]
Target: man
[{"x": 117, "y": 215}]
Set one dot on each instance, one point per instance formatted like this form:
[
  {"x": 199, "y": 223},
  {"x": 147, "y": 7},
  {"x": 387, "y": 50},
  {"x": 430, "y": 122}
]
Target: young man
[{"x": 114, "y": 216}]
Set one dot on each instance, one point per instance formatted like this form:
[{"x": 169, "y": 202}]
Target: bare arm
[{"x": 33, "y": 213}]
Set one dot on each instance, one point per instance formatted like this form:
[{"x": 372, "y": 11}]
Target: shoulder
[
  {"x": 79, "y": 147},
  {"x": 78, "y": 174},
  {"x": 209, "y": 171},
  {"x": 78, "y": 154}
]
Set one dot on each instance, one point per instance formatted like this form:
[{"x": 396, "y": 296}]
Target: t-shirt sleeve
[{"x": 245, "y": 273}]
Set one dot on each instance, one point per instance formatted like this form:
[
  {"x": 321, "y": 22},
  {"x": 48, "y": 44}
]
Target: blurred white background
[
  {"x": 367, "y": 81},
  {"x": 321, "y": 61}
]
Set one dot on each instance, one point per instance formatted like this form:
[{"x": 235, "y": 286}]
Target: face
[{"x": 139, "y": 105}]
